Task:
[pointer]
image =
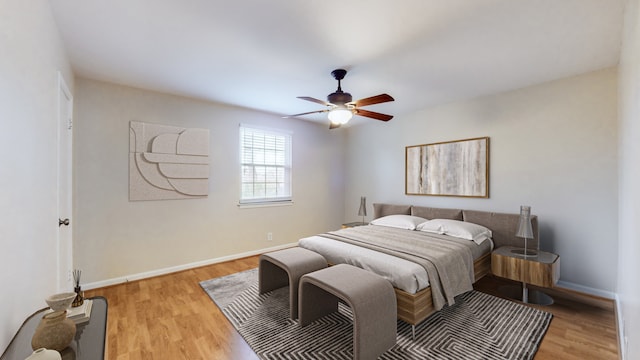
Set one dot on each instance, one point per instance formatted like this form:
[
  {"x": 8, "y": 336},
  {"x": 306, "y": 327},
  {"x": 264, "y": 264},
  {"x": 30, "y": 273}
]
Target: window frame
[{"x": 277, "y": 200}]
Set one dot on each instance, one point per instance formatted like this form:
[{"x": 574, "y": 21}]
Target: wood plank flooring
[
  {"x": 171, "y": 317},
  {"x": 578, "y": 331}
]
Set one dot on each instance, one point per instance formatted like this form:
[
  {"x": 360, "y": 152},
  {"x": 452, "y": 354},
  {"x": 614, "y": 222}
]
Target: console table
[{"x": 88, "y": 344}]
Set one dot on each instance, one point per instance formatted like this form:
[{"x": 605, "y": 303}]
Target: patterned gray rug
[{"x": 478, "y": 326}]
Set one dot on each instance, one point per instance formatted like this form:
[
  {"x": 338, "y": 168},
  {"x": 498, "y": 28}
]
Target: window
[{"x": 265, "y": 161}]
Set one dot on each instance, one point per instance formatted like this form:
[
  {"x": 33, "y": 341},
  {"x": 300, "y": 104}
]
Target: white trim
[
  {"x": 148, "y": 274},
  {"x": 264, "y": 204},
  {"x": 621, "y": 334},
  {"x": 587, "y": 290},
  {"x": 64, "y": 184}
]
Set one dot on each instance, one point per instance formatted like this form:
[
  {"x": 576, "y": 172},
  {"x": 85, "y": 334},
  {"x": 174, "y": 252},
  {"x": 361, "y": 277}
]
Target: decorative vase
[
  {"x": 44, "y": 354},
  {"x": 55, "y": 331}
]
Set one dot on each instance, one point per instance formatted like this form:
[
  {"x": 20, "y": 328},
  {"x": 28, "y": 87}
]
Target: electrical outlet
[
  {"x": 69, "y": 275},
  {"x": 269, "y": 236}
]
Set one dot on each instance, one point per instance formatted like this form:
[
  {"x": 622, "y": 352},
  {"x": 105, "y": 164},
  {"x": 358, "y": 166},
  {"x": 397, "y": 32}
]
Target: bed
[{"x": 397, "y": 252}]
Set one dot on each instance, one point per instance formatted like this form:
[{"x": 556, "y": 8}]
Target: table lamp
[
  {"x": 525, "y": 231},
  {"x": 363, "y": 207}
]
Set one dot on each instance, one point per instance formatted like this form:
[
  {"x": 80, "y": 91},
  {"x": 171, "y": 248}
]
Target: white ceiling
[{"x": 261, "y": 54}]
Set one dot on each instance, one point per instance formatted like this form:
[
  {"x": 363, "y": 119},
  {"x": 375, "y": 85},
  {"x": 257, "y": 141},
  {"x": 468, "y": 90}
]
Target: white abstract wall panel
[{"x": 167, "y": 162}]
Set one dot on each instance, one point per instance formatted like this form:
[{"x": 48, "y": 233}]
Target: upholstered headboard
[
  {"x": 380, "y": 210},
  {"x": 503, "y": 226},
  {"x": 436, "y": 213}
]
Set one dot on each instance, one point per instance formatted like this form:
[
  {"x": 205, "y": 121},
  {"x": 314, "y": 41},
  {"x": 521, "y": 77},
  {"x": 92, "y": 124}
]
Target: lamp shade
[
  {"x": 524, "y": 225},
  {"x": 340, "y": 116},
  {"x": 363, "y": 206}
]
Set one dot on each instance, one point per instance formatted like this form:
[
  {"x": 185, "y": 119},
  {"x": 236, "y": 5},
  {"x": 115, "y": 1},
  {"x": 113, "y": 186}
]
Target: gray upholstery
[
  {"x": 371, "y": 298},
  {"x": 285, "y": 267},
  {"x": 380, "y": 210},
  {"x": 436, "y": 213},
  {"x": 503, "y": 226}
]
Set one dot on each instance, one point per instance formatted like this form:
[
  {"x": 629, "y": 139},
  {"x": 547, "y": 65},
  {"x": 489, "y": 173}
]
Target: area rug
[{"x": 477, "y": 326}]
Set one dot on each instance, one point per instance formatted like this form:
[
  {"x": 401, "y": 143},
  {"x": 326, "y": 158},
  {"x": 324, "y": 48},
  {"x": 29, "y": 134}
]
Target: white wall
[
  {"x": 629, "y": 239},
  {"x": 114, "y": 237},
  {"x": 552, "y": 146},
  {"x": 31, "y": 55}
]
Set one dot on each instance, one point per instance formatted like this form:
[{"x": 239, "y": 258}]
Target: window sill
[{"x": 264, "y": 204}]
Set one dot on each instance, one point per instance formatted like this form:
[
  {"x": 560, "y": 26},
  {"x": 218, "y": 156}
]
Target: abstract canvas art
[
  {"x": 452, "y": 168},
  {"x": 167, "y": 162}
]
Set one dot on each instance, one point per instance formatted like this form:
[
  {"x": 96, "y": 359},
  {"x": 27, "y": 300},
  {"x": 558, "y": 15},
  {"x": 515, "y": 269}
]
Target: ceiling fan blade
[
  {"x": 305, "y": 113},
  {"x": 382, "y": 98},
  {"x": 373, "y": 115},
  {"x": 333, "y": 126},
  {"x": 322, "y": 102}
]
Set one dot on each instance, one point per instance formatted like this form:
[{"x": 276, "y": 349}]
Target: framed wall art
[{"x": 451, "y": 168}]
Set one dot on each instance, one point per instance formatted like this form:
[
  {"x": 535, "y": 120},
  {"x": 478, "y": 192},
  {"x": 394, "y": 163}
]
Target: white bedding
[{"x": 403, "y": 274}]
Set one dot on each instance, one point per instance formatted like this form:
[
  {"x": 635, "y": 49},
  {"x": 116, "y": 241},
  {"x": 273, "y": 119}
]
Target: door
[{"x": 65, "y": 171}]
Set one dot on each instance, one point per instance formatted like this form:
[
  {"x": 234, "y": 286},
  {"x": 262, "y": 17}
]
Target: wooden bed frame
[{"x": 415, "y": 308}]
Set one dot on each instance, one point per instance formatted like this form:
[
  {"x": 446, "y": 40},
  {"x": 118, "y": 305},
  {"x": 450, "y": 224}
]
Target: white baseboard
[
  {"x": 622, "y": 343},
  {"x": 586, "y": 290},
  {"x": 148, "y": 274}
]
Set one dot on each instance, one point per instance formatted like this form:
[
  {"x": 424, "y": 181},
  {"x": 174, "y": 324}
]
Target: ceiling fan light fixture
[
  {"x": 340, "y": 116},
  {"x": 341, "y": 107}
]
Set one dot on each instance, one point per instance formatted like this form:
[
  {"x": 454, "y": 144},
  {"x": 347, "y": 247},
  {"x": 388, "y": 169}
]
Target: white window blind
[{"x": 265, "y": 158}]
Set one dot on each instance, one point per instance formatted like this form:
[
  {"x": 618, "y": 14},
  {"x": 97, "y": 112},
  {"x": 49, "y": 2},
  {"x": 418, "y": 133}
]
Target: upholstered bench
[
  {"x": 371, "y": 298},
  {"x": 285, "y": 267}
]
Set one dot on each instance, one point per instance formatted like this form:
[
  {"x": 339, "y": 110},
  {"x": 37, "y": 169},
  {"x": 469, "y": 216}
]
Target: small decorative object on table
[
  {"x": 60, "y": 302},
  {"x": 44, "y": 354},
  {"x": 82, "y": 313},
  {"x": 79, "y": 294},
  {"x": 55, "y": 331}
]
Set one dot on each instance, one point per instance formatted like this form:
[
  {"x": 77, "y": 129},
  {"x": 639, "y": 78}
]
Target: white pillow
[
  {"x": 460, "y": 229},
  {"x": 399, "y": 221}
]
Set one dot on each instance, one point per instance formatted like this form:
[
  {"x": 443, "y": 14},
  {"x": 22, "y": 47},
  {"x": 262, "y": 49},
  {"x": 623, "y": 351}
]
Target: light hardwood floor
[{"x": 171, "y": 317}]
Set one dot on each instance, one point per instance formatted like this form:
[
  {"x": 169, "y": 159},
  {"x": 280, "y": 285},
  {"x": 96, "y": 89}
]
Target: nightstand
[
  {"x": 354, "y": 224},
  {"x": 542, "y": 270}
]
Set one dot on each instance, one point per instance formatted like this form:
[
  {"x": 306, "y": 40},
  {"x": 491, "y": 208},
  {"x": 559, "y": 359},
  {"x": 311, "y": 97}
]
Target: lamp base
[
  {"x": 525, "y": 252},
  {"x": 532, "y": 296}
]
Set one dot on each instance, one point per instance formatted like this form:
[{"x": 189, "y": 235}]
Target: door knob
[{"x": 64, "y": 222}]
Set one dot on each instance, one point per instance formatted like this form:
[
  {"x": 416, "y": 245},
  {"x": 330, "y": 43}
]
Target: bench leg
[
  {"x": 374, "y": 329},
  {"x": 271, "y": 277},
  {"x": 314, "y": 303}
]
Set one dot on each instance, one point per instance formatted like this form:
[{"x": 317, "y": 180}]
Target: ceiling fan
[{"x": 341, "y": 107}]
